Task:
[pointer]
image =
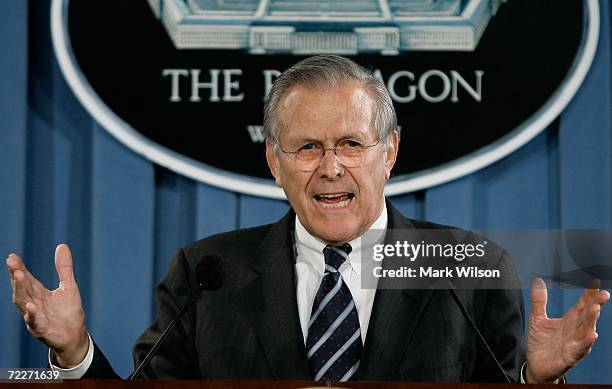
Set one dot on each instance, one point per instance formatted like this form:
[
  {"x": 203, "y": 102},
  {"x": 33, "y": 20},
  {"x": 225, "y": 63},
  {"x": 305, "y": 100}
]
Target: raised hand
[
  {"x": 555, "y": 345},
  {"x": 55, "y": 317}
]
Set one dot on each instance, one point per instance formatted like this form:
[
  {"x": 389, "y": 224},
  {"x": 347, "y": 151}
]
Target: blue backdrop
[{"x": 64, "y": 179}]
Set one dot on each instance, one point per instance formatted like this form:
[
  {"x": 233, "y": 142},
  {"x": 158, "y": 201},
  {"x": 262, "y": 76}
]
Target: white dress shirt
[
  {"x": 77, "y": 371},
  {"x": 310, "y": 267}
]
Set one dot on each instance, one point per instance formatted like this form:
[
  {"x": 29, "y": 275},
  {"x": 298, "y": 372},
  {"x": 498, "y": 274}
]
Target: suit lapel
[
  {"x": 395, "y": 314},
  {"x": 269, "y": 298},
  {"x": 394, "y": 317}
]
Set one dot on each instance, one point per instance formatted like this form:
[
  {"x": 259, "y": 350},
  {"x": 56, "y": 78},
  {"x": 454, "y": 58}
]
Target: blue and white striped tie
[{"x": 334, "y": 337}]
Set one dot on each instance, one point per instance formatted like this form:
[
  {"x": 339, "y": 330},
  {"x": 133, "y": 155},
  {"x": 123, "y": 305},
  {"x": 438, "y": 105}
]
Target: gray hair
[{"x": 329, "y": 71}]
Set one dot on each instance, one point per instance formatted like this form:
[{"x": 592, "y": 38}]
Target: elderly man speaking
[{"x": 292, "y": 306}]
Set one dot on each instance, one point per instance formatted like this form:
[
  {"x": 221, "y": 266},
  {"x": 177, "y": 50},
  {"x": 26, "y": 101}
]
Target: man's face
[{"x": 334, "y": 203}]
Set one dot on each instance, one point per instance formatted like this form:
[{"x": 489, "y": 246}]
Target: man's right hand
[{"x": 55, "y": 317}]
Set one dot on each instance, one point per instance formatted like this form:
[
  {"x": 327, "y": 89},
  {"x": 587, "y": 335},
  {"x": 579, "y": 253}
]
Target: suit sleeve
[
  {"x": 502, "y": 324},
  {"x": 100, "y": 367}
]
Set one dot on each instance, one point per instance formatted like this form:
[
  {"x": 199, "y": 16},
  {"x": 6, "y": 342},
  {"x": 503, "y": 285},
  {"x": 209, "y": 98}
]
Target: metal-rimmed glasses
[{"x": 349, "y": 152}]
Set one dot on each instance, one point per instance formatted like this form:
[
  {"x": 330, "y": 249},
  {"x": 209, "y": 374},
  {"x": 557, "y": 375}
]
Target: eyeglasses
[{"x": 349, "y": 152}]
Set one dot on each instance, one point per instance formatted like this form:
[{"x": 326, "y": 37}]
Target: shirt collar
[{"x": 307, "y": 241}]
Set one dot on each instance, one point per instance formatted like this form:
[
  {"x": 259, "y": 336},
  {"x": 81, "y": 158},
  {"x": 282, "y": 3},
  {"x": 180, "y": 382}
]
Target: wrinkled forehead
[
  {"x": 337, "y": 111},
  {"x": 349, "y": 92}
]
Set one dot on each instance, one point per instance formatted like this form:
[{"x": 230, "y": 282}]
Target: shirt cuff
[
  {"x": 77, "y": 371},
  {"x": 561, "y": 379}
]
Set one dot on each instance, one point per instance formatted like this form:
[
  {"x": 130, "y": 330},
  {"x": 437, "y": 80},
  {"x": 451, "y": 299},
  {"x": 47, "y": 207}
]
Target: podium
[{"x": 178, "y": 384}]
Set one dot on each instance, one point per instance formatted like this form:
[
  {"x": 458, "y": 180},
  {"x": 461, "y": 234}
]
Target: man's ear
[
  {"x": 391, "y": 153},
  {"x": 273, "y": 162}
]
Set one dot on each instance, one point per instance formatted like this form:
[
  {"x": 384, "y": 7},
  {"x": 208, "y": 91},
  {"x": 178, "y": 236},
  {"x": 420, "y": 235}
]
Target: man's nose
[{"x": 330, "y": 166}]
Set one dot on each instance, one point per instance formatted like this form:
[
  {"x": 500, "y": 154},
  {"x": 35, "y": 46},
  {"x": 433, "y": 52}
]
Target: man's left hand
[{"x": 555, "y": 345}]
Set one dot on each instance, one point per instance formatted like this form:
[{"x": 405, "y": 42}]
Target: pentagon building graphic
[{"x": 320, "y": 26}]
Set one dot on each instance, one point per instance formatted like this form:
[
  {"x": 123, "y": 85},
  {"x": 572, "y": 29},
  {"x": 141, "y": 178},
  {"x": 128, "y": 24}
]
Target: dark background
[{"x": 525, "y": 53}]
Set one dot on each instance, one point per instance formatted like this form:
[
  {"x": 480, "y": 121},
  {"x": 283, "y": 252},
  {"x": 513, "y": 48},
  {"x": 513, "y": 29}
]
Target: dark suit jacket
[{"x": 250, "y": 329}]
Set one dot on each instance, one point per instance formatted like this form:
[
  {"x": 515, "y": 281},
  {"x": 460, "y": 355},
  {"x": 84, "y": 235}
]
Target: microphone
[
  {"x": 210, "y": 275},
  {"x": 475, "y": 330}
]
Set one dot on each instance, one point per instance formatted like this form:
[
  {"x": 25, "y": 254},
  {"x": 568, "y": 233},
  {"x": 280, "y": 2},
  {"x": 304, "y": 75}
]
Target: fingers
[
  {"x": 34, "y": 321},
  {"x": 17, "y": 269},
  {"x": 22, "y": 282},
  {"x": 539, "y": 297},
  {"x": 14, "y": 262},
  {"x": 592, "y": 295},
  {"x": 22, "y": 291},
  {"x": 589, "y": 327},
  {"x": 591, "y": 310},
  {"x": 63, "y": 265},
  {"x": 587, "y": 312},
  {"x": 593, "y": 316}
]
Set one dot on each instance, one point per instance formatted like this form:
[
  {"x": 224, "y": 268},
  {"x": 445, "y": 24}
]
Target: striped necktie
[{"x": 334, "y": 337}]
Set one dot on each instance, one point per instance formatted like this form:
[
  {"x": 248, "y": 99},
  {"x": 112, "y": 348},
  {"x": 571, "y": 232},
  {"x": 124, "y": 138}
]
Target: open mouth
[{"x": 334, "y": 200}]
